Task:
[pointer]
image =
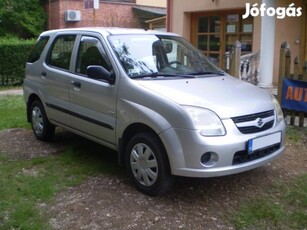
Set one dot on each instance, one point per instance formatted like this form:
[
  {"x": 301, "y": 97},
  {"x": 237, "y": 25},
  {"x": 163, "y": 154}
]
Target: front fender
[
  {"x": 131, "y": 112},
  {"x": 134, "y": 113}
]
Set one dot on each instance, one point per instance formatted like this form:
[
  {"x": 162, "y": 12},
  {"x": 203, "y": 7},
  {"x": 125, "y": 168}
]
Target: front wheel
[
  {"x": 148, "y": 165},
  {"x": 41, "y": 126}
]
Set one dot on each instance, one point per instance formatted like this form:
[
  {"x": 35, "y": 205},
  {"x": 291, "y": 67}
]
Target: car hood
[{"x": 225, "y": 95}]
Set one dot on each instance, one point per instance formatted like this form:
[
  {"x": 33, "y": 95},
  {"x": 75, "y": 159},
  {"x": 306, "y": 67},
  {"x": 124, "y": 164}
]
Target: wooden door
[{"x": 214, "y": 33}]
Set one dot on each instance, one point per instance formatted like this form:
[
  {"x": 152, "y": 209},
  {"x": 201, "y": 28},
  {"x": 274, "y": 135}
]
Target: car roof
[{"x": 108, "y": 31}]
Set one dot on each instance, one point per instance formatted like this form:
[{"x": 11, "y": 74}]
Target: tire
[
  {"x": 148, "y": 165},
  {"x": 42, "y": 128}
]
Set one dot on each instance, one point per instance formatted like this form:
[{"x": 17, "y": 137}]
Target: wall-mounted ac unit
[{"x": 72, "y": 16}]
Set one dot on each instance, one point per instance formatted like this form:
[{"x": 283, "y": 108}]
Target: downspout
[
  {"x": 49, "y": 15},
  {"x": 168, "y": 16},
  {"x": 303, "y": 39}
]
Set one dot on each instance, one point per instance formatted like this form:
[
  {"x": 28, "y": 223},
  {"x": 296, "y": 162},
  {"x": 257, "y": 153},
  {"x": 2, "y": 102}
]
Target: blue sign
[{"x": 294, "y": 95}]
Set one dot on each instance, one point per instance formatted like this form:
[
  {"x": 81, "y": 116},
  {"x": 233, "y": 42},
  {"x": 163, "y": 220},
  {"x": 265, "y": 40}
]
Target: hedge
[{"x": 13, "y": 56}]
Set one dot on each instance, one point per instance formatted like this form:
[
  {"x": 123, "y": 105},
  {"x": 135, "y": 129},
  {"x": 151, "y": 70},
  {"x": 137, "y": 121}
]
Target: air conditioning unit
[{"x": 72, "y": 15}]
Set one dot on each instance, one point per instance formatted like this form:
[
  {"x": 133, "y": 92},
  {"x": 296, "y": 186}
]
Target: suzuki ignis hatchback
[{"x": 153, "y": 97}]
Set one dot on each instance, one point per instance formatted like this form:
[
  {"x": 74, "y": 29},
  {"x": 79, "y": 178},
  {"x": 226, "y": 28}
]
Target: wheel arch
[
  {"x": 33, "y": 97},
  {"x": 129, "y": 132}
]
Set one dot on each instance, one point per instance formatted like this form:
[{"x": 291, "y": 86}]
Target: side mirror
[
  {"x": 168, "y": 46},
  {"x": 99, "y": 73}
]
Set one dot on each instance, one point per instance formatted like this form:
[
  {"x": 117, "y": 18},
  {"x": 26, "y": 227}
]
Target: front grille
[
  {"x": 243, "y": 156},
  {"x": 254, "y": 129},
  {"x": 253, "y": 117}
]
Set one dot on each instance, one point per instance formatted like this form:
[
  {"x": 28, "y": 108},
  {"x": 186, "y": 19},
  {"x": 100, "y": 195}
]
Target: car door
[
  {"x": 55, "y": 78},
  {"x": 93, "y": 102}
]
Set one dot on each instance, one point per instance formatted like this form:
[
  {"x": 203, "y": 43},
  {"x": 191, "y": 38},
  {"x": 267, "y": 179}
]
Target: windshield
[{"x": 154, "y": 55}]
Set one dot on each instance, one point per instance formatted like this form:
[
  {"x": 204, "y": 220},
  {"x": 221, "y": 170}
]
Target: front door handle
[{"x": 76, "y": 84}]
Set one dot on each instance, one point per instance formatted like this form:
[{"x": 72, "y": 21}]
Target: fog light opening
[
  {"x": 209, "y": 159},
  {"x": 205, "y": 158}
]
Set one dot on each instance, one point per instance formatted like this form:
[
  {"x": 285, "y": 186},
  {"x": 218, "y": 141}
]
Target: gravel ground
[{"x": 111, "y": 202}]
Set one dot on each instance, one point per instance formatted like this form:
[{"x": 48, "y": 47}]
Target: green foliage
[
  {"x": 24, "y": 19},
  {"x": 14, "y": 54},
  {"x": 12, "y": 112}
]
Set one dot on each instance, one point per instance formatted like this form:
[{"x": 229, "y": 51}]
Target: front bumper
[{"x": 186, "y": 147}]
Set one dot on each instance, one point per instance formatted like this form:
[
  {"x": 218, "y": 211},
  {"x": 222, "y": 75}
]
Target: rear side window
[
  {"x": 61, "y": 50},
  {"x": 38, "y": 49}
]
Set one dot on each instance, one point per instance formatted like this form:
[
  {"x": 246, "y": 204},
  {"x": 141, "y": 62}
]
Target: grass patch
[
  {"x": 24, "y": 184},
  {"x": 13, "y": 112},
  {"x": 296, "y": 201},
  {"x": 296, "y": 134},
  {"x": 282, "y": 207},
  {"x": 258, "y": 213}
]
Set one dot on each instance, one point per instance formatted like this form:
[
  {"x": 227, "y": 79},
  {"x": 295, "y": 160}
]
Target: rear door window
[{"x": 61, "y": 50}]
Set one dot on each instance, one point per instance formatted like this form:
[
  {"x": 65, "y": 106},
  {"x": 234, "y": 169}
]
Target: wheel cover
[
  {"x": 144, "y": 164},
  {"x": 37, "y": 121}
]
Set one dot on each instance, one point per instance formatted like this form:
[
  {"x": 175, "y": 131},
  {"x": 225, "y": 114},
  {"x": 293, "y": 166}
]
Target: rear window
[{"x": 38, "y": 49}]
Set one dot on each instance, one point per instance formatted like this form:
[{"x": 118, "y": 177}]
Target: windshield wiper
[
  {"x": 220, "y": 73},
  {"x": 158, "y": 74}
]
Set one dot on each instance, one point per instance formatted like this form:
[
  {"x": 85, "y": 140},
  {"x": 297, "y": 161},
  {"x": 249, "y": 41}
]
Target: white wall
[{"x": 156, "y": 3}]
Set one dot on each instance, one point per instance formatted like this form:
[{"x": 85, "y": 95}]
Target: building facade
[
  {"x": 108, "y": 13},
  {"x": 214, "y": 25}
]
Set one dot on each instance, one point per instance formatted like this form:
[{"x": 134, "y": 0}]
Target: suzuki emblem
[{"x": 259, "y": 123}]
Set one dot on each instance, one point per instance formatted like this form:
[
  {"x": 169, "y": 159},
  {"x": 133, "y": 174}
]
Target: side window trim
[{"x": 74, "y": 55}]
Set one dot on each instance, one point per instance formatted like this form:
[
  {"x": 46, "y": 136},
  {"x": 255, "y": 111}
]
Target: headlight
[
  {"x": 206, "y": 121},
  {"x": 278, "y": 111}
]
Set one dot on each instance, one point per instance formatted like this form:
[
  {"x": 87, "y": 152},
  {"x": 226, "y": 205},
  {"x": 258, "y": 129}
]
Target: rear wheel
[
  {"x": 41, "y": 126},
  {"x": 148, "y": 165}
]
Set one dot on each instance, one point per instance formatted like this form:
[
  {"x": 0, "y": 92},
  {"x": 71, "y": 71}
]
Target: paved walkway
[{"x": 11, "y": 92}]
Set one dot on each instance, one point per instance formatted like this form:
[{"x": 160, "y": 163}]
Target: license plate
[{"x": 264, "y": 141}]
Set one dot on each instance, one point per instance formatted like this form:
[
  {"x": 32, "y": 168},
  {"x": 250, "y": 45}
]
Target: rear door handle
[
  {"x": 76, "y": 84},
  {"x": 44, "y": 74}
]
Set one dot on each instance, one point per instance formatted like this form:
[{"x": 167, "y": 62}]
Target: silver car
[{"x": 155, "y": 99}]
